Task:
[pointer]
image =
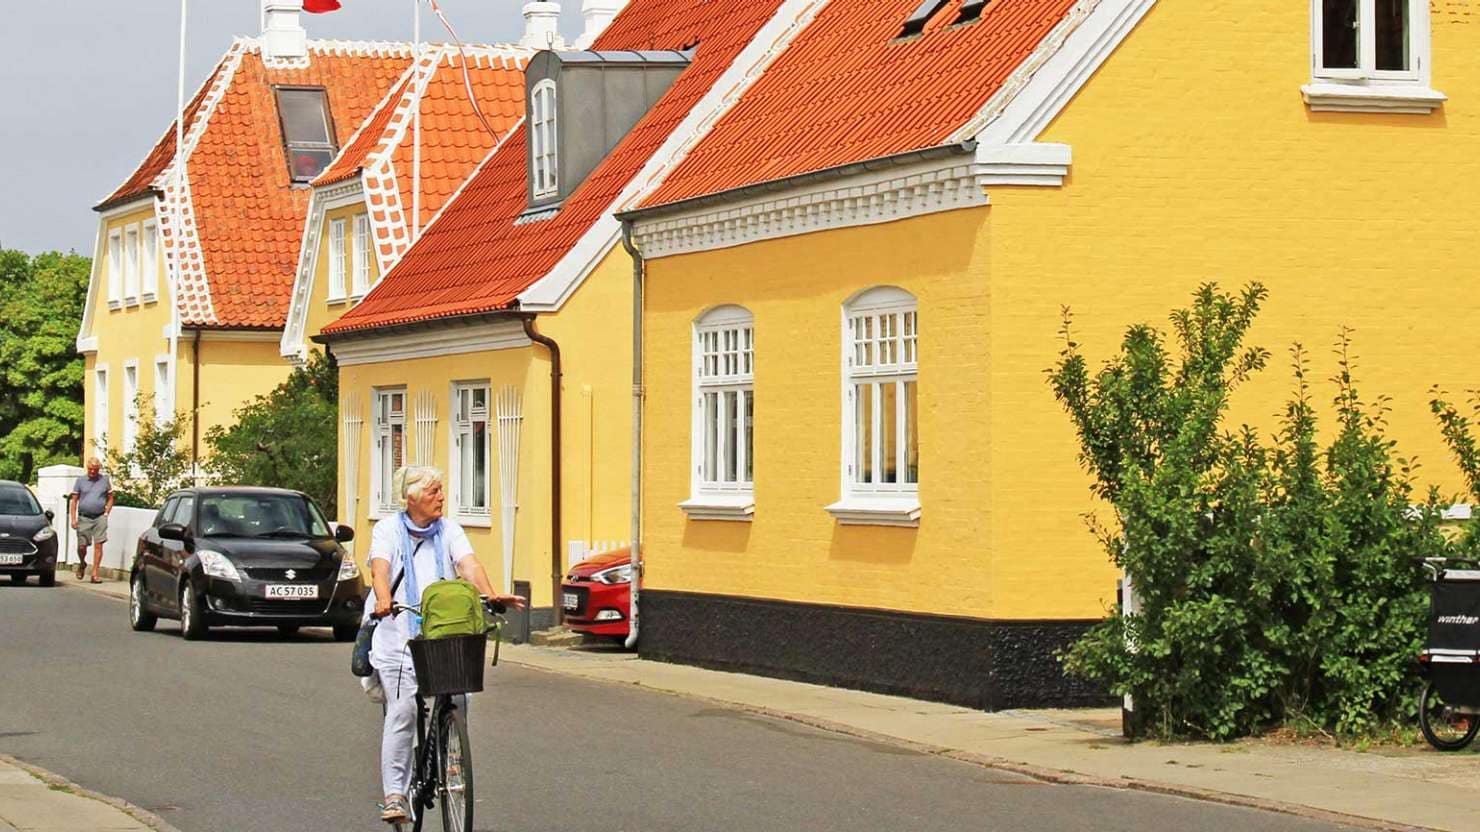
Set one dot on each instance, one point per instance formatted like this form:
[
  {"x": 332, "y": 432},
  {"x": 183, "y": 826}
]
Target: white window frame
[
  {"x": 100, "y": 411},
  {"x": 361, "y": 255},
  {"x": 337, "y": 270},
  {"x": 888, "y": 319},
  {"x": 723, "y": 366},
  {"x": 131, "y": 256},
  {"x": 115, "y": 268},
  {"x": 1365, "y": 88},
  {"x": 130, "y": 404},
  {"x": 164, "y": 390},
  {"x": 382, "y": 421},
  {"x": 544, "y": 174},
  {"x": 460, "y": 430},
  {"x": 149, "y": 264}
]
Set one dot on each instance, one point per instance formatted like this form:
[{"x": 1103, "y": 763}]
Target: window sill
[
  {"x": 151, "y": 299},
  {"x": 1371, "y": 97},
  {"x": 335, "y": 301},
  {"x": 115, "y": 305},
  {"x": 855, "y": 510},
  {"x": 474, "y": 521},
  {"x": 739, "y": 507}
]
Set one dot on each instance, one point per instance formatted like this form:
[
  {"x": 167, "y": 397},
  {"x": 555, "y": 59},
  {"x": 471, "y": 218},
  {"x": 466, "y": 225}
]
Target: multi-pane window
[
  {"x": 130, "y": 405},
  {"x": 336, "y": 259},
  {"x": 131, "y": 264},
  {"x": 115, "y": 268},
  {"x": 150, "y": 264},
  {"x": 472, "y": 448},
  {"x": 1382, "y": 39},
  {"x": 308, "y": 135},
  {"x": 390, "y": 444},
  {"x": 362, "y": 254},
  {"x": 724, "y": 401},
  {"x": 881, "y": 393},
  {"x": 544, "y": 172},
  {"x": 164, "y": 391},
  {"x": 100, "y": 410}
]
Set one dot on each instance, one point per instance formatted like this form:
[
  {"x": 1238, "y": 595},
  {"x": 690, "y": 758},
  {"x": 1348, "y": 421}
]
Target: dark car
[
  {"x": 245, "y": 557},
  {"x": 28, "y": 545}
]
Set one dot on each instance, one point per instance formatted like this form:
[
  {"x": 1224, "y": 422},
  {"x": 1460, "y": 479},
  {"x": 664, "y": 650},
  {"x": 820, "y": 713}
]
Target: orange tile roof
[
  {"x": 247, "y": 216},
  {"x": 475, "y": 258},
  {"x": 453, "y": 140},
  {"x": 848, "y": 89}
]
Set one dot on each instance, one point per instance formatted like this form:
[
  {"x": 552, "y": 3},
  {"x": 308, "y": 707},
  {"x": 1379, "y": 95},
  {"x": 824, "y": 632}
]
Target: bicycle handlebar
[{"x": 492, "y": 606}]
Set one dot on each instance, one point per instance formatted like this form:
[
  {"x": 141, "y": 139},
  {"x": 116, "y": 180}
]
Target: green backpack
[{"x": 452, "y": 608}]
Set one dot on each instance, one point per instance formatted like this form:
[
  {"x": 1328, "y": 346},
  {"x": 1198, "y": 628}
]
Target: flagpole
[
  {"x": 179, "y": 228},
  {"x": 416, "y": 127}
]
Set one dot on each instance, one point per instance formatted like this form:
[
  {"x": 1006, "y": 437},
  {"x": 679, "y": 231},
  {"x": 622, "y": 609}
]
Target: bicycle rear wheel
[{"x": 455, "y": 760}]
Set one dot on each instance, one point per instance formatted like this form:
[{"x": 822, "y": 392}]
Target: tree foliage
[
  {"x": 1274, "y": 576},
  {"x": 287, "y": 438},
  {"x": 41, "y": 302},
  {"x": 157, "y": 464}
]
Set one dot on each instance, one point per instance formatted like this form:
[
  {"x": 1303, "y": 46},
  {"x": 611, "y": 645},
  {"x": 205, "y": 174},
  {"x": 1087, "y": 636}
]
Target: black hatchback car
[
  {"x": 28, "y": 545},
  {"x": 253, "y": 557}
]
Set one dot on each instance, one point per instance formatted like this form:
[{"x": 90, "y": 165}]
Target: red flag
[{"x": 320, "y": 6}]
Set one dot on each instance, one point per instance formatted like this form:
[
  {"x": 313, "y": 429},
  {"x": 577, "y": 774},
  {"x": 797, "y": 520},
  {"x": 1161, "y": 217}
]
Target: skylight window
[
  {"x": 308, "y": 134},
  {"x": 915, "y": 23},
  {"x": 971, "y": 10}
]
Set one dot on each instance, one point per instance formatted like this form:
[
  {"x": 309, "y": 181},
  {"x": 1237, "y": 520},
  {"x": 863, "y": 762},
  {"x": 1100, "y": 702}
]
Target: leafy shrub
[
  {"x": 156, "y": 465},
  {"x": 1274, "y": 577}
]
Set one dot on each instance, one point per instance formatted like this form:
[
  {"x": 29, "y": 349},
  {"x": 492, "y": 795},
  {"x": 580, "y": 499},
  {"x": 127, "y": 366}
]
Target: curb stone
[{"x": 56, "y": 781}]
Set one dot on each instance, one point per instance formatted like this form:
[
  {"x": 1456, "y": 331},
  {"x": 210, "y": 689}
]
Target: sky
[{"x": 89, "y": 87}]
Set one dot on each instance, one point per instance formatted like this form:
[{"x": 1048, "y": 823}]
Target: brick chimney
[
  {"x": 283, "y": 36},
  {"x": 542, "y": 25}
]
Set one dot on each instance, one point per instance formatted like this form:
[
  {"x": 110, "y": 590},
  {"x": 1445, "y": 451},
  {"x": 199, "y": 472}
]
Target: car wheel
[
  {"x": 287, "y": 629},
  {"x": 140, "y": 619},
  {"x": 192, "y": 617},
  {"x": 18, "y": 580},
  {"x": 346, "y": 632},
  {"x": 49, "y": 577}
]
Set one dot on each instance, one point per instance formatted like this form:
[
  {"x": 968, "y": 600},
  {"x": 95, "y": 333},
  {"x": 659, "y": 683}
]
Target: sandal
[
  {"x": 395, "y": 809},
  {"x": 81, "y": 569},
  {"x": 96, "y": 581}
]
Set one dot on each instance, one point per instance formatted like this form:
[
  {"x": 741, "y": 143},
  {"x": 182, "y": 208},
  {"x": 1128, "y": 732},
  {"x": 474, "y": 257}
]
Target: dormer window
[
  {"x": 544, "y": 176},
  {"x": 308, "y": 132}
]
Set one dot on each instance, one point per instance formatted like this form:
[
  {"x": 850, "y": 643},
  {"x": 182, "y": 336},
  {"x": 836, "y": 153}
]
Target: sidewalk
[
  {"x": 35, "y": 801},
  {"x": 1401, "y": 789}
]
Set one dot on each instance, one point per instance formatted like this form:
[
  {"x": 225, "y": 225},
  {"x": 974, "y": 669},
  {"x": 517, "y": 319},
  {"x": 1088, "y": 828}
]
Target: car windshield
[
  {"x": 18, "y": 501},
  {"x": 261, "y": 515}
]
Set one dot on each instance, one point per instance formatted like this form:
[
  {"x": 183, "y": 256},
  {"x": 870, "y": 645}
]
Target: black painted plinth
[{"x": 977, "y": 663}]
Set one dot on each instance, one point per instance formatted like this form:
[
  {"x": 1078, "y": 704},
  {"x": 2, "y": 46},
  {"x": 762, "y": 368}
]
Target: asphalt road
[{"x": 255, "y": 731}]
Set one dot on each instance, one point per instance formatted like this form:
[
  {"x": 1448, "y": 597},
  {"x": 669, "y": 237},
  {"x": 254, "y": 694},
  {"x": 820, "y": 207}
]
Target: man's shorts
[{"x": 91, "y": 530}]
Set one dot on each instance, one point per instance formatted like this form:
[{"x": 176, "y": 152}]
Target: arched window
[
  {"x": 881, "y": 449},
  {"x": 544, "y": 171},
  {"x": 724, "y": 415}
]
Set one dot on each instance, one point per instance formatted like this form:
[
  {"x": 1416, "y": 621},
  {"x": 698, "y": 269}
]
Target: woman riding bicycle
[{"x": 435, "y": 549}]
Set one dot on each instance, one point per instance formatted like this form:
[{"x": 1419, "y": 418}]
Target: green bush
[
  {"x": 1274, "y": 577},
  {"x": 156, "y": 465}
]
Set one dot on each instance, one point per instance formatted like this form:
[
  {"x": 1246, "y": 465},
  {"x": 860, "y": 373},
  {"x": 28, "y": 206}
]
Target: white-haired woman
[{"x": 410, "y": 550}]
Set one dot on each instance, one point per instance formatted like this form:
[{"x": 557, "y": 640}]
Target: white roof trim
[
  {"x": 550, "y": 292},
  {"x": 448, "y": 338},
  {"x": 293, "y": 345}
]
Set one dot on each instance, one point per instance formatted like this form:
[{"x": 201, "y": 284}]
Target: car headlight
[
  {"x": 46, "y": 533},
  {"x": 218, "y": 565},
  {"x": 348, "y": 569},
  {"x": 615, "y": 575}
]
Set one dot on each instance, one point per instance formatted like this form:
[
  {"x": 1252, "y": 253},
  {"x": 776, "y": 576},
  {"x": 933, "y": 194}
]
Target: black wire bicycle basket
[{"x": 449, "y": 665}]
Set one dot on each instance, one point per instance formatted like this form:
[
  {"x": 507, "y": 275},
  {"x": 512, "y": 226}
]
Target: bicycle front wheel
[{"x": 455, "y": 758}]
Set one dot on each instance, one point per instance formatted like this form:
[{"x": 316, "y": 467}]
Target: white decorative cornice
[
  {"x": 910, "y": 190},
  {"x": 450, "y": 337}
]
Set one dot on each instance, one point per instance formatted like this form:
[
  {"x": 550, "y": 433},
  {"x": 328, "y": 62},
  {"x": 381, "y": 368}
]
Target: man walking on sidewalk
[{"x": 92, "y": 500}]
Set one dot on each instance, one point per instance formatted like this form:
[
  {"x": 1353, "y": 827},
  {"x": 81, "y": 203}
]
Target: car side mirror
[
  {"x": 50, "y": 515},
  {"x": 172, "y": 531},
  {"x": 344, "y": 534}
]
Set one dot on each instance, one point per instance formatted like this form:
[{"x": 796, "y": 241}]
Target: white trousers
[{"x": 398, "y": 734}]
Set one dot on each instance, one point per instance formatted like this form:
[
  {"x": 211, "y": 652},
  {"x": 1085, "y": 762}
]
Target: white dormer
[
  {"x": 283, "y": 36},
  {"x": 542, "y": 26}
]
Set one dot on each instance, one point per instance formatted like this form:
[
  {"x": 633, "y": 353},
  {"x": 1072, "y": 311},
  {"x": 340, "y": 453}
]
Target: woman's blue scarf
[{"x": 433, "y": 532}]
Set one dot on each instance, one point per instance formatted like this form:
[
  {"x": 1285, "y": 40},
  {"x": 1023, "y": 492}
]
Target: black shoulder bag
[{"x": 359, "y": 662}]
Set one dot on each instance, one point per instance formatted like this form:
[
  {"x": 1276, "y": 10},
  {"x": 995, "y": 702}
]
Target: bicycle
[
  {"x": 1449, "y": 706},
  {"x": 442, "y": 771}
]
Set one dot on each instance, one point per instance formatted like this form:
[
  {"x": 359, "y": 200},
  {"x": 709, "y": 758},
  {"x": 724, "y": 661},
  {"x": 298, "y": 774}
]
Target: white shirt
[{"x": 389, "y": 647}]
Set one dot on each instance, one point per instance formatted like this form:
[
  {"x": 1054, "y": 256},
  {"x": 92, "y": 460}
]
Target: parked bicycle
[
  {"x": 442, "y": 772},
  {"x": 1449, "y": 707}
]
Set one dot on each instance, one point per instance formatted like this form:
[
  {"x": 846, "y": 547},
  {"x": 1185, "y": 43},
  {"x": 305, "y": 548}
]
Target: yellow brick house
[
  {"x": 854, "y": 284},
  {"x": 191, "y": 276}
]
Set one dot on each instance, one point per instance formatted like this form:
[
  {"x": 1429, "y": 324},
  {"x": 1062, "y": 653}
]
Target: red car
[{"x": 597, "y": 594}]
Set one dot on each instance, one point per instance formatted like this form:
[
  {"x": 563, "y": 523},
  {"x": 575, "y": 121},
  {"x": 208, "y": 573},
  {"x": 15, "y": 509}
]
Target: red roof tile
[
  {"x": 847, "y": 90},
  {"x": 248, "y": 216},
  {"x": 474, "y": 258}
]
